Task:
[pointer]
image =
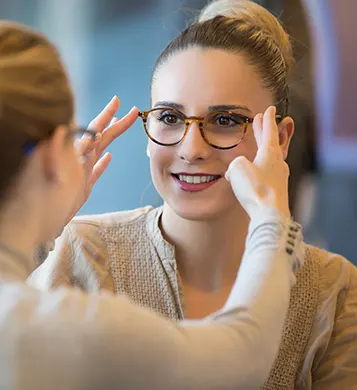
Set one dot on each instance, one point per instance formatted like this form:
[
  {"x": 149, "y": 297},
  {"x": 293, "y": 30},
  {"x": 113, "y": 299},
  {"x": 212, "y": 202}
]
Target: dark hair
[
  {"x": 239, "y": 35},
  {"x": 35, "y": 96}
]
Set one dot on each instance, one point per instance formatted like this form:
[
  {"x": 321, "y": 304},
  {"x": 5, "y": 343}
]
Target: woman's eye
[
  {"x": 228, "y": 120},
  {"x": 224, "y": 121},
  {"x": 169, "y": 118}
]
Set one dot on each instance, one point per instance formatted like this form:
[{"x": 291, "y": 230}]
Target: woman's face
[{"x": 197, "y": 80}]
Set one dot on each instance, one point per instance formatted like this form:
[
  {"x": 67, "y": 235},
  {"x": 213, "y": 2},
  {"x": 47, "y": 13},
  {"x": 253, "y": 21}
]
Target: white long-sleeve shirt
[{"x": 64, "y": 339}]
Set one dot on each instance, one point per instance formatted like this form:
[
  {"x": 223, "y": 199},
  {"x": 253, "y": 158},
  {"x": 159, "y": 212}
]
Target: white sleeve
[{"x": 65, "y": 339}]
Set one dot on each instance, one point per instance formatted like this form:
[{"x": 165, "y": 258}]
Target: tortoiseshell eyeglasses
[{"x": 223, "y": 130}]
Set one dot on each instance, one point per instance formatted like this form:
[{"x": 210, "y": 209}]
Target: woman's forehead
[{"x": 210, "y": 77}]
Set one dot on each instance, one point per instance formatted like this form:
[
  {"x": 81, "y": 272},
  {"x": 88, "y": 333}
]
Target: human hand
[
  {"x": 262, "y": 183},
  {"x": 109, "y": 129}
]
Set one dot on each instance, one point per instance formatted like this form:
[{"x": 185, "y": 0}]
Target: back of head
[
  {"x": 243, "y": 27},
  {"x": 35, "y": 95}
]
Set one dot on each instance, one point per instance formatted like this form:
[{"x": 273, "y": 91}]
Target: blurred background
[{"x": 110, "y": 46}]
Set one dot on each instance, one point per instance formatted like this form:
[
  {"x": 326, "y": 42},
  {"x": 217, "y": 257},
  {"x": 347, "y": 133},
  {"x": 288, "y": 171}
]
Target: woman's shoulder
[
  {"x": 113, "y": 219},
  {"x": 336, "y": 291},
  {"x": 321, "y": 318},
  {"x": 116, "y": 227},
  {"x": 88, "y": 245},
  {"x": 95, "y": 230},
  {"x": 335, "y": 272},
  {"x": 330, "y": 350}
]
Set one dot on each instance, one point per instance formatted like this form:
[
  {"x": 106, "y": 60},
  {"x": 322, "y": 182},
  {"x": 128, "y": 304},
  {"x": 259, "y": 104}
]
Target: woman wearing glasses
[{"x": 181, "y": 259}]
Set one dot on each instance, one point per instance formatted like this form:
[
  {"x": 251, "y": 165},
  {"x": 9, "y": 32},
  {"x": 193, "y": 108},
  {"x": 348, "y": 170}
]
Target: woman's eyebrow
[
  {"x": 228, "y": 107},
  {"x": 219, "y": 107},
  {"x": 177, "y": 106}
]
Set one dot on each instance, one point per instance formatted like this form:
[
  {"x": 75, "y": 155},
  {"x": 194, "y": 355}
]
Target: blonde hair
[
  {"x": 35, "y": 95},
  {"x": 242, "y": 26}
]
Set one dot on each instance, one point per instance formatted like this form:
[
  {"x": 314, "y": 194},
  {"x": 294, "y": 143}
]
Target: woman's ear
[
  {"x": 286, "y": 131},
  {"x": 53, "y": 154}
]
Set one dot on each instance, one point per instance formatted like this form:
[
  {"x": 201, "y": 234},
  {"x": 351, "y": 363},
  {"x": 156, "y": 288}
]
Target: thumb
[{"x": 237, "y": 165}]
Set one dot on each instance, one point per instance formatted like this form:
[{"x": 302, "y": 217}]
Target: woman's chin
[{"x": 199, "y": 211}]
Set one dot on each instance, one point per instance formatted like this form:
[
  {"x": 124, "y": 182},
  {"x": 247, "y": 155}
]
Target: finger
[
  {"x": 117, "y": 129},
  {"x": 86, "y": 144},
  {"x": 101, "y": 121},
  {"x": 268, "y": 148},
  {"x": 242, "y": 176},
  {"x": 94, "y": 143},
  {"x": 258, "y": 128},
  {"x": 114, "y": 120},
  {"x": 81, "y": 145},
  {"x": 236, "y": 165},
  {"x": 270, "y": 133},
  {"x": 100, "y": 167}
]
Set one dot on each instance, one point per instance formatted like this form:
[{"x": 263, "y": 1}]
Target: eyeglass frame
[{"x": 200, "y": 120}]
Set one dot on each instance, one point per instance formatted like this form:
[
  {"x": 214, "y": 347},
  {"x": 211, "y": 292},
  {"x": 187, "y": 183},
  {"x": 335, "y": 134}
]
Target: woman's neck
[
  {"x": 208, "y": 253},
  {"x": 19, "y": 229}
]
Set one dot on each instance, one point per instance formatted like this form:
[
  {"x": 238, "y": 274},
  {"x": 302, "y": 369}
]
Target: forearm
[{"x": 109, "y": 342}]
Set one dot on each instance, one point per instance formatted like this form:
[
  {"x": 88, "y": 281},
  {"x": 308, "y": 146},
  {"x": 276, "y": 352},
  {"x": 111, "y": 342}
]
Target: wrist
[{"x": 263, "y": 212}]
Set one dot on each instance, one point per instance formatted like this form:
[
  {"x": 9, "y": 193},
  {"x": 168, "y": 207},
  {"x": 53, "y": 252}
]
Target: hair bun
[{"x": 254, "y": 14}]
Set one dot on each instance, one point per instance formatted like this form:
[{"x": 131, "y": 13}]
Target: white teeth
[{"x": 196, "y": 179}]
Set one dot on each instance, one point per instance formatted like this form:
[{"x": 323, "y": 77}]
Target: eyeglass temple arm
[{"x": 278, "y": 118}]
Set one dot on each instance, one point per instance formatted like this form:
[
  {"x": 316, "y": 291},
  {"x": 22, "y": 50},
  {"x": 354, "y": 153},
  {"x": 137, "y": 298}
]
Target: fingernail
[
  {"x": 274, "y": 110},
  {"x": 98, "y": 137},
  {"x": 112, "y": 99}
]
